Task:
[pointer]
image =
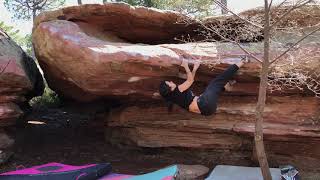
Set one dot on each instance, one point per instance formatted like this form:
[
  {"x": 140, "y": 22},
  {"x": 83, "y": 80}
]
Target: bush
[{"x": 49, "y": 99}]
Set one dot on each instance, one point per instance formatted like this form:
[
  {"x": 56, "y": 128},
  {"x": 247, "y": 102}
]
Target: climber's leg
[{"x": 207, "y": 102}]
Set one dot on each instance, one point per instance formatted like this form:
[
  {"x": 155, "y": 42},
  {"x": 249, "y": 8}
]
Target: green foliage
[
  {"x": 26, "y": 44},
  {"x": 49, "y": 99},
  {"x": 14, "y": 34},
  {"x": 27, "y": 9}
]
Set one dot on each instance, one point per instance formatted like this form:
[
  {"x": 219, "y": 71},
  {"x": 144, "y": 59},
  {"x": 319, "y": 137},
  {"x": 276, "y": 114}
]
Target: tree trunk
[
  {"x": 258, "y": 136},
  {"x": 225, "y": 3},
  {"x": 79, "y": 2}
]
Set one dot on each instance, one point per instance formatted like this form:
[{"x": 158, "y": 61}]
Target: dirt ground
[{"x": 68, "y": 137}]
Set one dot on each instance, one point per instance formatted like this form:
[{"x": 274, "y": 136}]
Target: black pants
[{"x": 207, "y": 102}]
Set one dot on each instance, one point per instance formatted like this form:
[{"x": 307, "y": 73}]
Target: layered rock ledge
[{"x": 121, "y": 53}]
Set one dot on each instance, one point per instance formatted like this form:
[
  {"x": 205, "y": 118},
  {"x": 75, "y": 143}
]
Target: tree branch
[
  {"x": 285, "y": 52},
  {"x": 249, "y": 53},
  {"x": 40, "y": 6},
  {"x": 22, "y": 3},
  {"x": 237, "y": 43},
  {"x": 282, "y": 3},
  {"x": 289, "y": 11},
  {"x": 225, "y": 8},
  {"x": 36, "y": 3},
  {"x": 27, "y": 4},
  {"x": 270, "y": 4}
]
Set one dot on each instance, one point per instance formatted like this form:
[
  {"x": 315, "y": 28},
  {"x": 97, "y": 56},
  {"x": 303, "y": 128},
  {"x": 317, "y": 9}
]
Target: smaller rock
[
  {"x": 5, "y": 156},
  {"x": 5, "y": 143},
  {"x": 5, "y": 140},
  {"x": 191, "y": 172}
]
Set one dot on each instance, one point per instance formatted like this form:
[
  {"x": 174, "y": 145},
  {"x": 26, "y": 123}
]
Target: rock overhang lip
[{"x": 71, "y": 36}]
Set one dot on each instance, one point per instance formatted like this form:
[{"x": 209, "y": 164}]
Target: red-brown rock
[
  {"x": 87, "y": 54},
  {"x": 20, "y": 80},
  {"x": 291, "y": 128},
  {"x": 5, "y": 141},
  {"x": 101, "y": 69}
]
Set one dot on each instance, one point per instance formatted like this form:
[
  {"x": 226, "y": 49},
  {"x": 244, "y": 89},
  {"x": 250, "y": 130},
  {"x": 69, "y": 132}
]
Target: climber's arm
[
  {"x": 196, "y": 65},
  {"x": 190, "y": 75}
]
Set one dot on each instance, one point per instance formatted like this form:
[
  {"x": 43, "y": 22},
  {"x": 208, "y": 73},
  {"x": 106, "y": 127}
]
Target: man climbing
[{"x": 206, "y": 103}]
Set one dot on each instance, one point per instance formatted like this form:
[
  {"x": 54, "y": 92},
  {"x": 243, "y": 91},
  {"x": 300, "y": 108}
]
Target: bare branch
[
  {"x": 249, "y": 53},
  {"x": 235, "y": 42},
  {"x": 27, "y": 4},
  {"x": 270, "y": 4},
  {"x": 36, "y": 3},
  {"x": 285, "y": 52},
  {"x": 282, "y": 3},
  {"x": 298, "y": 72},
  {"x": 225, "y": 8},
  {"x": 296, "y": 6},
  {"x": 40, "y": 6}
]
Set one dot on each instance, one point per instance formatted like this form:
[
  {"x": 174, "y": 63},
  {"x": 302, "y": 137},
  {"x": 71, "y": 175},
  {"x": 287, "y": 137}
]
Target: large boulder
[
  {"x": 20, "y": 80},
  {"x": 104, "y": 69},
  {"x": 118, "y": 52},
  {"x": 88, "y": 54}
]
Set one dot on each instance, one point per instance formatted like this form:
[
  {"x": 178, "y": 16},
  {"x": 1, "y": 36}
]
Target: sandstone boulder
[
  {"x": 88, "y": 54},
  {"x": 20, "y": 80}
]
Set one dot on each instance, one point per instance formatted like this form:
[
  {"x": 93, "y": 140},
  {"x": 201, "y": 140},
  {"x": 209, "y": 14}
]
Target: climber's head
[{"x": 166, "y": 87}]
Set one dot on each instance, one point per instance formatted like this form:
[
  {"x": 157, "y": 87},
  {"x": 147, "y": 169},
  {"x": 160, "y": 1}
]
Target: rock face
[
  {"x": 118, "y": 52},
  {"x": 291, "y": 128},
  {"x": 20, "y": 80}
]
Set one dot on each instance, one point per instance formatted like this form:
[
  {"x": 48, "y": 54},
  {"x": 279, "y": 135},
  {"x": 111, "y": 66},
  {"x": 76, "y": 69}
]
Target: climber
[{"x": 206, "y": 103}]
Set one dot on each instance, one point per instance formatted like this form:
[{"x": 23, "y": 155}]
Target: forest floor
[{"x": 68, "y": 138}]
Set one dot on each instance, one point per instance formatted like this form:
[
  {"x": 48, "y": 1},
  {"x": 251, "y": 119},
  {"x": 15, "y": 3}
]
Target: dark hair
[{"x": 165, "y": 91}]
